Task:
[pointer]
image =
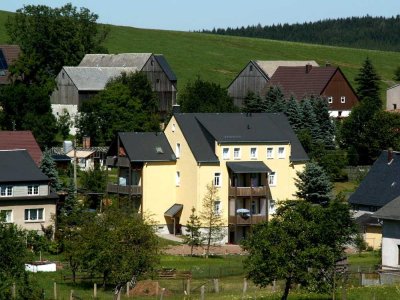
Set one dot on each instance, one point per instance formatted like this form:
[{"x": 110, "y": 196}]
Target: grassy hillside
[{"x": 220, "y": 58}]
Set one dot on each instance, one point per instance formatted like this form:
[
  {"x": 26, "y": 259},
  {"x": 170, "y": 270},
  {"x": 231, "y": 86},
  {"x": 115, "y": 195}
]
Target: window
[
  {"x": 272, "y": 178},
  {"x": 217, "y": 207},
  {"x": 253, "y": 153},
  {"x": 343, "y": 99},
  {"x": 6, "y": 215},
  {"x": 178, "y": 178},
  {"x": 34, "y": 214},
  {"x": 281, "y": 152},
  {"x": 217, "y": 179},
  {"x": 178, "y": 150},
  {"x": 270, "y": 152},
  {"x": 255, "y": 207},
  {"x": 236, "y": 153},
  {"x": 251, "y": 68},
  {"x": 330, "y": 99},
  {"x": 225, "y": 153},
  {"x": 272, "y": 206},
  {"x": 33, "y": 190},
  {"x": 394, "y": 106},
  {"x": 173, "y": 127},
  {"x": 6, "y": 191}
]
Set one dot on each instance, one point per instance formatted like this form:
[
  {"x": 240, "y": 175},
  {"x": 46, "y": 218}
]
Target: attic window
[
  {"x": 251, "y": 68},
  {"x": 62, "y": 75},
  {"x": 158, "y": 80},
  {"x": 159, "y": 150},
  {"x": 152, "y": 62}
]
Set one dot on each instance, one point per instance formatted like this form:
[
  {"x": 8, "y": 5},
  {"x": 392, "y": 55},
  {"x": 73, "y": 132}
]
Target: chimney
[
  {"x": 308, "y": 68},
  {"x": 176, "y": 109},
  {"x": 86, "y": 142},
  {"x": 390, "y": 155},
  {"x": 327, "y": 64}
]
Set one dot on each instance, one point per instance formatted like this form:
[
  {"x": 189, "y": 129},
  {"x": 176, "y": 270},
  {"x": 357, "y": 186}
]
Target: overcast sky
[{"x": 206, "y": 14}]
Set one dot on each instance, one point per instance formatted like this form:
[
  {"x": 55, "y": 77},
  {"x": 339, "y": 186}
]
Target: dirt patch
[
  {"x": 214, "y": 250},
  {"x": 148, "y": 288}
]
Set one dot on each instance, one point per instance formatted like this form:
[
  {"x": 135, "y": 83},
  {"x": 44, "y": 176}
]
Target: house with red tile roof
[
  {"x": 307, "y": 81},
  {"x": 19, "y": 140},
  {"x": 8, "y": 54}
]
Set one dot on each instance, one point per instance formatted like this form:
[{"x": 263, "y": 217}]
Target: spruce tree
[
  {"x": 71, "y": 203},
  {"x": 326, "y": 126},
  {"x": 48, "y": 167},
  {"x": 294, "y": 114},
  {"x": 193, "y": 237},
  {"x": 368, "y": 84},
  {"x": 274, "y": 100},
  {"x": 313, "y": 184},
  {"x": 309, "y": 120},
  {"x": 253, "y": 103}
]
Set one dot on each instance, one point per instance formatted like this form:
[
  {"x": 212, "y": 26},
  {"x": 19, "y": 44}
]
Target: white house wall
[{"x": 390, "y": 243}]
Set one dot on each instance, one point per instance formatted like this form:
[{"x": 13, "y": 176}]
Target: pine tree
[
  {"x": 326, "y": 126},
  {"x": 253, "y": 103},
  {"x": 71, "y": 203},
  {"x": 294, "y": 114},
  {"x": 309, "y": 120},
  {"x": 193, "y": 226},
  {"x": 368, "y": 84},
  {"x": 48, "y": 167},
  {"x": 313, "y": 184},
  {"x": 274, "y": 100}
]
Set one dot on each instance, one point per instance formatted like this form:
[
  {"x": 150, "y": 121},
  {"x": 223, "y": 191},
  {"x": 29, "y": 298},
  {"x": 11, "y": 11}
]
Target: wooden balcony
[
  {"x": 124, "y": 190},
  {"x": 113, "y": 161},
  {"x": 254, "y": 219},
  {"x": 259, "y": 191}
]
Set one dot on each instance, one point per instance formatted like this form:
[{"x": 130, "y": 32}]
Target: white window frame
[
  {"x": 253, "y": 155},
  {"x": 6, "y": 190},
  {"x": 343, "y": 99},
  {"x": 33, "y": 190},
  {"x": 29, "y": 219},
  {"x": 178, "y": 178},
  {"x": 178, "y": 150},
  {"x": 173, "y": 127},
  {"x": 227, "y": 154},
  {"x": 217, "y": 179},
  {"x": 282, "y": 154},
  {"x": 272, "y": 153},
  {"x": 8, "y": 215},
  {"x": 236, "y": 150},
  {"x": 217, "y": 207},
  {"x": 272, "y": 178},
  {"x": 330, "y": 99}
]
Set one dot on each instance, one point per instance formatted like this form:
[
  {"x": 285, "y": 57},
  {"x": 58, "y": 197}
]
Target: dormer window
[
  {"x": 6, "y": 191},
  {"x": 33, "y": 190}
]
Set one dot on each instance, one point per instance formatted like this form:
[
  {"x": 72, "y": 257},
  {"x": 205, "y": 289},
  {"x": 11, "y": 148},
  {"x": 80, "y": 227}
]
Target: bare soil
[{"x": 214, "y": 250}]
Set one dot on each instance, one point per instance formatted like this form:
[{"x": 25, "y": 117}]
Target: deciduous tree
[
  {"x": 211, "y": 217},
  {"x": 193, "y": 228},
  {"x": 299, "y": 245}
]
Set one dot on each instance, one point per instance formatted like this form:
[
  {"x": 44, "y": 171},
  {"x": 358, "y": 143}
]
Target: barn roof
[
  {"x": 298, "y": 82},
  {"x": 11, "y": 140},
  {"x": 135, "y": 60},
  {"x": 94, "y": 79},
  {"x": 390, "y": 211},
  {"x": 270, "y": 66}
]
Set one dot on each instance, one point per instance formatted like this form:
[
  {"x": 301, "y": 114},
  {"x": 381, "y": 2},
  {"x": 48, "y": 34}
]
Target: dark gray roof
[
  {"x": 248, "y": 167},
  {"x": 165, "y": 66},
  {"x": 146, "y": 146},
  {"x": 18, "y": 166},
  {"x": 61, "y": 158},
  {"x": 390, "y": 211},
  {"x": 201, "y": 130},
  {"x": 382, "y": 183},
  {"x": 367, "y": 219},
  {"x": 174, "y": 210}
]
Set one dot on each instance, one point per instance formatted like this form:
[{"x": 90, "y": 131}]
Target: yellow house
[{"x": 251, "y": 159}]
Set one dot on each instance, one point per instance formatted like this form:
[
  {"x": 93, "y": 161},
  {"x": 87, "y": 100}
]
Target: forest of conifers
[{"x": 367, "y": 32}]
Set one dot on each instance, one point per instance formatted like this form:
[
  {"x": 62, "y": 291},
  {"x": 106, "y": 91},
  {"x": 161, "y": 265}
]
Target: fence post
[
  {"x": 14, "y": 294},
  {"x": 202, "y": 292},
  {"x": 95, "y": 290},
  {"x": 119, "y": 295},
  {"x": 157, "y": 288},
  {"x": 71, "y": 295},
  {"x": 188, "y": 287},
  {"x": 216, "y": 285},
  {"x": 127, "y": 289},
  {"x": 244, "y": 286},
  {"x": 55, "y": 290},
  {"x": 274, "y": 286},
  {"x": 162, "y": 293}
]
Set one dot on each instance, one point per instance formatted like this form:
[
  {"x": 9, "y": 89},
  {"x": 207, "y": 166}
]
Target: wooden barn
[
  {"x": 255, "y": 76},
  {"x": 8, "y": 55},
  {"x": 77, "y": 84}
]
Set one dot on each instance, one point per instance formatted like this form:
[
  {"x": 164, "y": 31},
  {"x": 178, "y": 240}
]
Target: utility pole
[{"x": 75, "y": 181}]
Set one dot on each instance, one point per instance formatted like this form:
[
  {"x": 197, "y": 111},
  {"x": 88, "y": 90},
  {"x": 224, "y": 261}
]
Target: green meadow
[{"x": 220, "y": 58}]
